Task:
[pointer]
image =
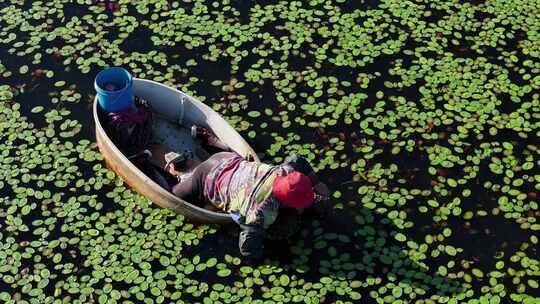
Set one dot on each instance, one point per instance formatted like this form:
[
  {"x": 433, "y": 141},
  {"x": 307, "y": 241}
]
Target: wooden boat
[{"x": 174, "y": 114}]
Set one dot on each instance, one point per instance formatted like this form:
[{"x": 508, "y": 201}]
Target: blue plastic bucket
[{"x": 114, "y": 87}]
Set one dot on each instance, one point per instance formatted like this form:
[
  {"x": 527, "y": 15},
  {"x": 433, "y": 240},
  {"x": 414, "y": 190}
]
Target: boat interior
[{"x": 168, "y": 135}]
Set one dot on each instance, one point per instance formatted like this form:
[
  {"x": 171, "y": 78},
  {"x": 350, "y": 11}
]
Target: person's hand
[
  {"x": 321, "y": 189},
  {"x": 322, "y": 206}
]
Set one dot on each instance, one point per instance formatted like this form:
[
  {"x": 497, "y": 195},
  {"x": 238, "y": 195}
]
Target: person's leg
[{"x": 191, "y": 187}]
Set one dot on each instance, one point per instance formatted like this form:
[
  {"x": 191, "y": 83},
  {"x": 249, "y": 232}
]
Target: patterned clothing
[{"x": 241, "y": 187}]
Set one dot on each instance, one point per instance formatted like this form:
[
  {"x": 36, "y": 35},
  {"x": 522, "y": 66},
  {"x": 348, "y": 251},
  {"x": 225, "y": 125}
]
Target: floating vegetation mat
[{"x": 422, "y": 116}]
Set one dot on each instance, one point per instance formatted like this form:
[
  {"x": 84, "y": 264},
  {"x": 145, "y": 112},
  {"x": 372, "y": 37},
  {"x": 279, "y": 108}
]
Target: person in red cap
[{"x": 252, "y": 192}]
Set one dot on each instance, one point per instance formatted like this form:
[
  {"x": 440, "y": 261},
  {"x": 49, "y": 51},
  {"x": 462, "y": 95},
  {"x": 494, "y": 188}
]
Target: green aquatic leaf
[
  {"x": 224, "y": 272},
  {"x": 447, "y": 232},
  {"x": 211, "y": 262},
  {"x": 37, "y": 109},
  {"x": 254, "y": 114},
  {"x": 164, "y": 260},
  {"x": 508, "y": 145},
  {"x": 284, "y": 280},
  {"x": 397, "y": 292},
  {"x": 477, "y": 272},
  {"x": 400, "y": 237}
]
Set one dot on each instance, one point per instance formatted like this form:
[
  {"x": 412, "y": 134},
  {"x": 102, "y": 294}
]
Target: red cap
[{"x": 294, "y": 190}]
